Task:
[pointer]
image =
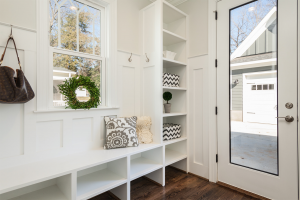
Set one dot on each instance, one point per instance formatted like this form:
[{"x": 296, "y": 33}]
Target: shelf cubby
[
  {"x": 178, "y": 102},
  {"x": 174, "y": 20},
  {"x": 174, "y": 88},
  {"x": 170, "y": 38},
  {"x": 54, "y": 189},
  {"x": 180, "y": 71},
  {"x": 178, "y": 119},
  {"x": 145, "y": 162},
  {"x": 175, "y": 152},
  {"x": 101, "y": 178},
  {"x": 172, "y": 63}
]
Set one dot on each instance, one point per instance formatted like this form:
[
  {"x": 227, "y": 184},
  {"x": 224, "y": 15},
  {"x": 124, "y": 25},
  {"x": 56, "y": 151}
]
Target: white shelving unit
[
  {"x": 145, "y": 163},
  {"x": 84, "y": 175},
  {"x": 101, "y": 178}
]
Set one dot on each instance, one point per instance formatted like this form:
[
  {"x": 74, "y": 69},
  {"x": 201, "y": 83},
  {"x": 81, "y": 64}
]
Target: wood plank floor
[{"x": 179, "y": 185}]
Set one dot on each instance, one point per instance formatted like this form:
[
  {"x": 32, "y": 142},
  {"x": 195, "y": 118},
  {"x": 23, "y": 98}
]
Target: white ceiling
[{"x": 174, "y": 2}]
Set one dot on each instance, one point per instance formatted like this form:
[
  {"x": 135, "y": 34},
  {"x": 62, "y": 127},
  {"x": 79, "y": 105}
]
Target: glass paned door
[
  {"x": 256, "y": 78},
  {"x": 253, "y": 86}
]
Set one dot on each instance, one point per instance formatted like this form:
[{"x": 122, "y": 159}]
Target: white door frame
[{"x": 212, "y": 55}]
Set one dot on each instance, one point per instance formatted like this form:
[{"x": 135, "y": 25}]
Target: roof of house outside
[
  {"x": 251, "y": 58},
  {"x": 63, "y": 70}
]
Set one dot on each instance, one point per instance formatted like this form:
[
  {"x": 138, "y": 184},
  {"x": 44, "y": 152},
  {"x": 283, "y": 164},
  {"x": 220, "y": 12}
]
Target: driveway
[{"x": 254, "y": 145}]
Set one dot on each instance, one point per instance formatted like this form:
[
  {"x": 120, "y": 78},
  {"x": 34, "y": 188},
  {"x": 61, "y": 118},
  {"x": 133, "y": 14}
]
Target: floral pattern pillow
[{"x": 120, "y": 132}]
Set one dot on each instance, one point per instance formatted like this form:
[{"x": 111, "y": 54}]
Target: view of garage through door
[{"x": 253, "y": 78}]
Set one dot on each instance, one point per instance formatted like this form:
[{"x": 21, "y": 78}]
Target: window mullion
[
  {"x": 77, "y": 26},
  {"x": 59, "y": 31},
  {"x": 94, "y": 35}
]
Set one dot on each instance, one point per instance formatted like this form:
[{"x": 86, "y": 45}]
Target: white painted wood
[
  {"x": 28, "y": 174},
  {"x": 173, "y": 156},
  {"x": 198, "y": 125},
  {"x": 182, "y": 164},
  {"x": 146, "y": 162},
  {"x": 151, "y": 40},
  {"x": 171, "y": 13},
  {"x": 172, "y": 63},
  {"x": 174, "y": 140},
  {"x": 49, "y": 193},
  {"x": 175, "y": 152},
  {"x": 98, "y": 182},
  {"x": 141, "y": 166},
  {"x": 121, "y": 192},
  {"x": 177, "y": 27},
  {"x": 170, "y": 38},
  {"x": 59, "y": 188},
  {"x": 173, "y": 88},
  {"x": 285, "y": 185},
  {"x": 157, "y": 176},
  {"x": 173, "y": 114}
]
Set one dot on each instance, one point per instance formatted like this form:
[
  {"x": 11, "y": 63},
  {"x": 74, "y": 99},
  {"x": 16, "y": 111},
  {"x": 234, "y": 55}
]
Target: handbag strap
[{"x": 2, "y": 57}]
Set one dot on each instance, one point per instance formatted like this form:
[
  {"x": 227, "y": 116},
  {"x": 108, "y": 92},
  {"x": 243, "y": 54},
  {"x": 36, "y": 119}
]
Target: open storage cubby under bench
[{"x": 98, "y": 179}]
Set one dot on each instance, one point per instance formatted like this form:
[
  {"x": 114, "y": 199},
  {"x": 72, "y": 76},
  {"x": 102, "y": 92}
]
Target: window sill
[{"x": 73, "y": 110}]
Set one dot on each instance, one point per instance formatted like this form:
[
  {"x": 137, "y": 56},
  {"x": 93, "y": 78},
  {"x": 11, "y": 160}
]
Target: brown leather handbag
[{"x": 14, "y": 90}]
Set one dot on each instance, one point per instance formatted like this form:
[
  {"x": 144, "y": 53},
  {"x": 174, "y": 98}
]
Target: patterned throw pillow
[{"x": 120, "y": 132}]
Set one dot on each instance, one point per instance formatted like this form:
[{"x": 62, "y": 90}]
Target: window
[{"x": 76, "y": 45}]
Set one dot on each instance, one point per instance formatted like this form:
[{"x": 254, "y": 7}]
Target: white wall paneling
[
  {"x": 129, "y": 84},
  {"x": 198, "y": 125}
]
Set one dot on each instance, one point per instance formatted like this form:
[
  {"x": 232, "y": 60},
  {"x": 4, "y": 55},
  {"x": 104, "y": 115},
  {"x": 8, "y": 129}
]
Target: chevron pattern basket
[
  {"x": 170, "y": 80},
  {"x": 171, "y": 131}
]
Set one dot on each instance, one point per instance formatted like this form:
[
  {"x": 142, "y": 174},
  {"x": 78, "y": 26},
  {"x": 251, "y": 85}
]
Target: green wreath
[{"x": 70, "y": 86}]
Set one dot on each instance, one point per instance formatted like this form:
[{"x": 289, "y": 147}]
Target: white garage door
[{"x": 260, "y": 97}]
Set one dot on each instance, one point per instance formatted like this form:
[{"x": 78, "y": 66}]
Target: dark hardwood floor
[{"x": 179, "y": 185}]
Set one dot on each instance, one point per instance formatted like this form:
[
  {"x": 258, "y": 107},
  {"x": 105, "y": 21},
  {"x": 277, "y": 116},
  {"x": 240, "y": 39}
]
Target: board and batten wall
[
  {"x": 26, "y": 135},
  {"x": 198, "y": 86}
]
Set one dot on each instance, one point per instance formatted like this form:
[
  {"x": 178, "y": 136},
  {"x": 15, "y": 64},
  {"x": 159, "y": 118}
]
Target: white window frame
[{"x": 108, "y": 54}]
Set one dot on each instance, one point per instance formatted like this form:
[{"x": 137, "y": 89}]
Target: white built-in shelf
[
  {"x": 170, "y": 38},
  {"x": 35, "y": 172},
  {"x": 173, "y": 114},
  {"x": 174, "y": 140},
  {"x": 174, "y": 88},
  {"x": 141, "y": 166},
  {"x": 48, "y": 193},
  {"x": 173, "y": 156},
  {"x": 98, "y": 182},
  {"x": 172, "y": 63},
  {"x": 171, "y": 13}
]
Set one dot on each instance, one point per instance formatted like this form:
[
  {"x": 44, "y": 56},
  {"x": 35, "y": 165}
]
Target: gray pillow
[{"x": 120, "y": 132}]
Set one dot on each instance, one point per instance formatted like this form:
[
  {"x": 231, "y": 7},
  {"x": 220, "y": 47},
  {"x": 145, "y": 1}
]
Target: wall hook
[
  {"x": 129, "y": 59},
  {"x": 147, "y": 58},
  {"x": 11, "y": 36}
]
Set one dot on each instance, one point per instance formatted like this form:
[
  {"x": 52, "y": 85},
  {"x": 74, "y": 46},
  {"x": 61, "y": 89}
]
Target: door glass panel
[{"x": 253, "y": 83}]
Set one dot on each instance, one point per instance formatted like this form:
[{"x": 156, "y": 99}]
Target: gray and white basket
[
  {"x": 170, "y": 80},
  {"x": 171, "y": 131}
]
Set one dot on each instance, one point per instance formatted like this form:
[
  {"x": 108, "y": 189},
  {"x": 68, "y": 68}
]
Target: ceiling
[{"x": 174, "y": 2}]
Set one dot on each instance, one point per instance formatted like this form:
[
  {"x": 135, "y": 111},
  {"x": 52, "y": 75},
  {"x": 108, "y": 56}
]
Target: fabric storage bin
[
  {"x": 171, "y": 131},
  {"x": 170, "y": 80},
  {"x": 169, "y": 55}
]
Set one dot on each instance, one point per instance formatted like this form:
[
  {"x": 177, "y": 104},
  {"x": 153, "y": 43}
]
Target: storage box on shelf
[
  {"x": 53, "y": 189},
  {"x": 183, "y": 127},
  {"x": 101, "y": 178},
  {"x": 145, "y": 162},
  {"x": 171, "y": 131}
]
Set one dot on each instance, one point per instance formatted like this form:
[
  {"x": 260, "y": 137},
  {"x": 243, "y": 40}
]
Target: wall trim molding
[
  {"x": 198, "y": 55},
  {"x": 18, "y": 27}
]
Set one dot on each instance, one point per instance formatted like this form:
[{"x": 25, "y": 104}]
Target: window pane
[
  {"x": 68, "y": 26},
  {"x": 53, "y": 11},
  {"x": 66, "y": 66},
  {"x": 75, "y": 26},
  {"x": 253, "y": 125}
]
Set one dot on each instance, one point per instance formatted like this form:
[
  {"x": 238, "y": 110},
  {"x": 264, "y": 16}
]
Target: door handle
[{"x": 288, "y": 118}]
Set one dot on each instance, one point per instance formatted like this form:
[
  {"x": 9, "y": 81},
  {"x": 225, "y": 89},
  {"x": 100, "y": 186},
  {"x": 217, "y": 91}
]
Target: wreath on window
[{"x": 69, "y": 87}]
